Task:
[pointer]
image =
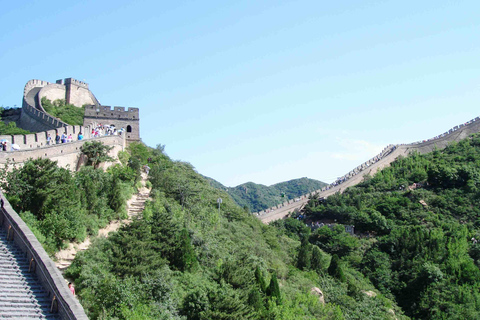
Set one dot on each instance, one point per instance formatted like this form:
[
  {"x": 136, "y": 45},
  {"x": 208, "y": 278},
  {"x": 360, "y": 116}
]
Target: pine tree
[
  {"x": 260, "y": 279},
  {"x": 320, "y": 260},
  {"x": 273, "y": 289},
  {"x": 335, "y": 269},
  {"x": 304, "y": 255},
  {"x": 187, "y": 260}
]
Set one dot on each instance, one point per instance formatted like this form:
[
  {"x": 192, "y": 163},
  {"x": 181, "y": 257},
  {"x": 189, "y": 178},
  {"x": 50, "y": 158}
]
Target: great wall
[
  {"x": 370, "y": 167},
  {"x": 34, "y": 118},
  {"x": 30, "y": 284}
]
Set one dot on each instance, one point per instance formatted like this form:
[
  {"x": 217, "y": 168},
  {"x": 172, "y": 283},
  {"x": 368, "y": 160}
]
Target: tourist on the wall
[
  {"x": 57, "y": 139},
  {"x": 64, "y": 138},
  {"x": 70, "y": 138},
  {"x": 71, "y": 287},
  {"x": 80, "y": 136},
  {"x": 49, "y": 139}
]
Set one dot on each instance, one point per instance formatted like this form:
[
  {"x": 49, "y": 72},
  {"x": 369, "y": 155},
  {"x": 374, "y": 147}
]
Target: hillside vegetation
[
  {"x": 9, "y": 127},
  {"x": 414, "y": 254},
  {"x": 68, "y": 113},
  {"x": 258, "y": 197},
  {"x": 423, "y": 218},
  {"x": 185, "y": 259},
  {"x": 60, "y": 206}
]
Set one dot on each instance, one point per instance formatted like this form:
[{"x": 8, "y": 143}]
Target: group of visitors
[
  {"x": 64, "y": 138},
  {"x": 106, "y": 130}
]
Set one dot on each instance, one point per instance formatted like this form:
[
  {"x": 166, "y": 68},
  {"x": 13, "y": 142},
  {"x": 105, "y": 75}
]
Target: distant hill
[{"x": 258, "y": 197}]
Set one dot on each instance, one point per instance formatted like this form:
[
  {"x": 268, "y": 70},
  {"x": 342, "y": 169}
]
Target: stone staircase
[{"x": 21, "y": 294}]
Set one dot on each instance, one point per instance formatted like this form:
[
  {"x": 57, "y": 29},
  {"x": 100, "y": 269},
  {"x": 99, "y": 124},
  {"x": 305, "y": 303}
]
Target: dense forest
[
  {"x": 414, "y": 254},
  {"x": 60, "y": 206},
  {"x": 258, "y": 197},
  {"x": 184, "y": 258},
  {"x": 421, "y": 217}
]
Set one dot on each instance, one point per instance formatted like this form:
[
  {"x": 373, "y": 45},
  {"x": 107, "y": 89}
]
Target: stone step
[
  {"x": 26, "y": 298},
  {"x": 23, "y": 309},
  {"x": 16, "y": 281},
  {"x": 18, "y": 275},
  {"x": 30, "y": 317},
  {"x": 26, "y": 313},
  {"x": 21, "y": 295}
]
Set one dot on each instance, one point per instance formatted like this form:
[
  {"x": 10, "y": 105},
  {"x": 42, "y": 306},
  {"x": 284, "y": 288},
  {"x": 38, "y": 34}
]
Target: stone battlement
[
  {"x": 120, "y": 117},
  {"x": 76, "y": 92},
  {"x": 70, "y": 81},
  {"x": 108, "y": 111}
]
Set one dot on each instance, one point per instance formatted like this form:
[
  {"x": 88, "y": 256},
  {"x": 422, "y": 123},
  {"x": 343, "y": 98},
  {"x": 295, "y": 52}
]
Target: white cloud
[{"x": 356, "y": 150}]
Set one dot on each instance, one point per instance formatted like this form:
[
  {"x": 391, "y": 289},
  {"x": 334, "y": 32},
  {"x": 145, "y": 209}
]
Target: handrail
[{"x": 47, "y": 278}]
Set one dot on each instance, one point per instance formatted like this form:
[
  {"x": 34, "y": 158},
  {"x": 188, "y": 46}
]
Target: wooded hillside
[{"x": 258, "y": 197}]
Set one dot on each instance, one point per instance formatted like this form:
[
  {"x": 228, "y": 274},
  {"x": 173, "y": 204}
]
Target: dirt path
[{"x": 135, "y": 206}]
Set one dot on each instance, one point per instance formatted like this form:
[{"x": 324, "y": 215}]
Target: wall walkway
[
  {"x": 370, "y": 167},
  {"x": 40, "y": 275}
]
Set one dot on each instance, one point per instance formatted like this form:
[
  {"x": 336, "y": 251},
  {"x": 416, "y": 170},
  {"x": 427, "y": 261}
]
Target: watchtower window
[{"x": 129, "y": 129}]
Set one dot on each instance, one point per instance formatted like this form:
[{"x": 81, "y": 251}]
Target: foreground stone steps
[{"x": 21, "y": 294}]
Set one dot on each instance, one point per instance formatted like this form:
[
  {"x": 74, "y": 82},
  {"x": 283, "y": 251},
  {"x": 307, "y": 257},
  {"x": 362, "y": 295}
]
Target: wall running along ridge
[
  {"x": 34, "y": 118},
  {"x": 66, "y": 154},
  {"x": 370, "y": 167}
]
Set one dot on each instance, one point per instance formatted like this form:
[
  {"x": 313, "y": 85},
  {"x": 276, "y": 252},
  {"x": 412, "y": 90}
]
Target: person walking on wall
[
  {"x": 64, "y": 138},
  {"x": 72, "y": 288},
  {"x": 49, "y": 139},
  {"x": 80, "y": 136},
  {"x": 57, "y": 139}
]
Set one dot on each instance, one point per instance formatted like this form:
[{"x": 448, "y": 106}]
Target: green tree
[
  {"x": 68, "y": 113},
  {"x": 96, "y": 152},
  {"x": 11, "y": 129},
  {"x": 320, "y": 260},
  {"x": 304, "y": 255},
  {"x": 260, "y": 279},
  {"x": 186, "y": 258},
  {"x": 273, "y": 289},
  {"x": 336, "y": 269}
]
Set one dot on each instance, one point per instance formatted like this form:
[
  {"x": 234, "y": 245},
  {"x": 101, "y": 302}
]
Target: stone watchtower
[
  {"x": 117, "y": 116},
  {"x": 77, "y": 93}
]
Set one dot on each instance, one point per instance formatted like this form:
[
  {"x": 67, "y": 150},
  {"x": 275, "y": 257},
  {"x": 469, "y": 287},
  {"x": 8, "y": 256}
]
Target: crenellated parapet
[
  {"x": 120, "y": 117},
  {"x": 75, "y": 82},
  {"x": 107, "y": 112},
  {"x": 39, "y": 139},
  {"x": 384, "y": 158},
  {"x": 35, "y": 118}
]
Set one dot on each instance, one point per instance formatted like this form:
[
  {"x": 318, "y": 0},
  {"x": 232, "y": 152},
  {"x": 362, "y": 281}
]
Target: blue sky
[{"x": 262, "y": 91}]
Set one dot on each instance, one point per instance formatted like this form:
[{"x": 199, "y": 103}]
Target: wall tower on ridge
[
  {"x": 34, "y": 117},
  {"x": 128, "y": 119}
]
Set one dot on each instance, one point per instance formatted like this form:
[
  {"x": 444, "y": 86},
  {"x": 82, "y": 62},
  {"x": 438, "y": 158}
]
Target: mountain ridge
[{"x": 257, "y": 197}]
